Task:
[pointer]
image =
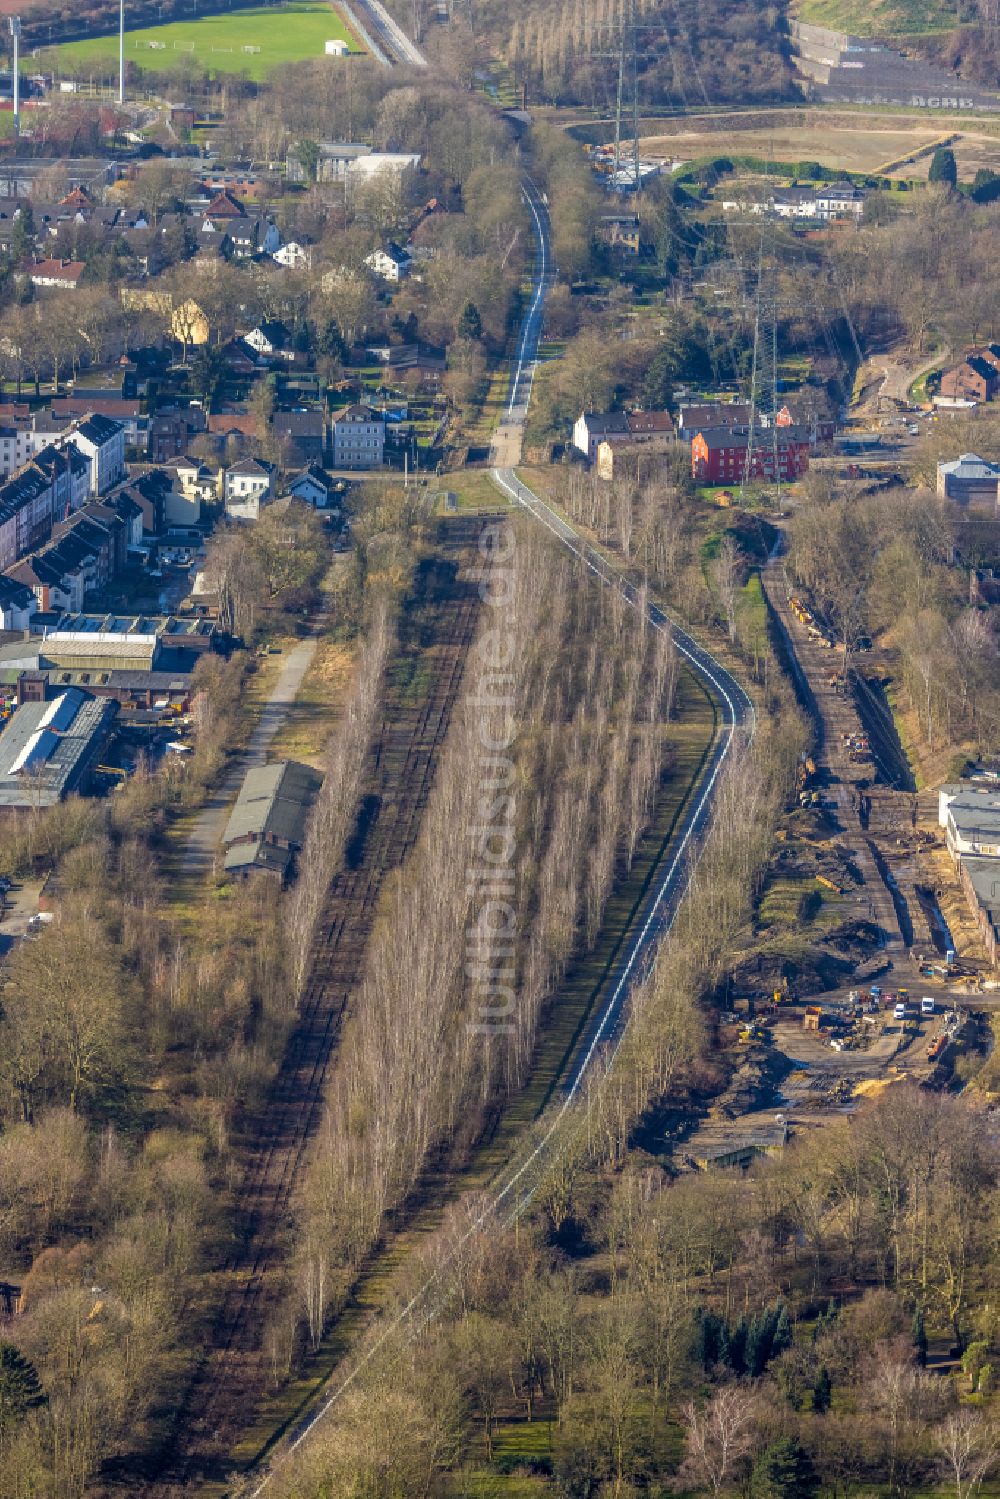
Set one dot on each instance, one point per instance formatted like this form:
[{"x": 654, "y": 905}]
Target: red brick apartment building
[{"x": 719, "y": 454}]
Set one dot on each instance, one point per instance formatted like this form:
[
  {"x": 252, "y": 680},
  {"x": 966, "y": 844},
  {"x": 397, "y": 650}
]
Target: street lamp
[{"x": 121, "y": 55}]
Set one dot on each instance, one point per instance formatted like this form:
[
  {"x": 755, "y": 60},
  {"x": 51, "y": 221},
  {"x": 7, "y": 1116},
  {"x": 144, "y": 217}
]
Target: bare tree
[
  {"x": 969, "y": 1447},
  {"x": 718, "y": 1438}
]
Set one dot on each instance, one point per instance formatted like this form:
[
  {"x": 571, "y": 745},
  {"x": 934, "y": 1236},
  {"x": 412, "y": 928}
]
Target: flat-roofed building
[{"x": 981, "y": 882}]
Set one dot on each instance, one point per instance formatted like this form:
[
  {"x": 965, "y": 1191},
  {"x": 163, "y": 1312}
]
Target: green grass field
[
  {"x": 290, "y": 32},
  {"x": 879, "y": 17}
]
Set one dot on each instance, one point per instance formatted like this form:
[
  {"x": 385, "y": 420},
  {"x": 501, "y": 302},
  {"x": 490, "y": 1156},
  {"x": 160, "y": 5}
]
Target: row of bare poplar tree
[
  {"x": 587, "y": 689},
  {"x": 335, "y": 808}
]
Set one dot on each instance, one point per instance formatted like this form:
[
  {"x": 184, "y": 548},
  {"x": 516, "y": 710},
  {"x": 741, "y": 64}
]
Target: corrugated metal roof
[
  {"x": 53, "y": 758},
  {"x": 274, "y": 803}
]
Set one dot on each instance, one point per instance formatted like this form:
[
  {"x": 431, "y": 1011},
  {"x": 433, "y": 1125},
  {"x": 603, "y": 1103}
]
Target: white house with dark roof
[
  {"x": 272, "y": 339},
  {"x": 358, "y": 438},
  {"x": 247, "y": 488},
  {"x": 101, "y": 440},
  {"x": 313, "y": 487},
  {"x": 391, "y": 263},
  {"x": 592, "y": 427},
  {"x": 17, "y": 604},
  {"x": 294, "y": 256}
]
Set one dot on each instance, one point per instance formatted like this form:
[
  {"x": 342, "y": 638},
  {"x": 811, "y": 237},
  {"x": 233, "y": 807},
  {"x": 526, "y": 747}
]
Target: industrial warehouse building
[
  {"x": 970, "y": 816},
  {"x": 111, "y": 642},
  {"x": 50, "y": 749},
  {"x": 970, "y": 481},
  {"x": 268, "y": 822}
]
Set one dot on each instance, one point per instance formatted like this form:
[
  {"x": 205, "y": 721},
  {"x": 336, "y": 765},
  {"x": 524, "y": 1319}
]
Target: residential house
[
  {"x": 272, "y": 339},
  {"x": 25, "y": 514},
  {"x": 195, "y": 479},
  {"x": 130, "y": 512},
  {"x": 224, "y": 210},
  {"x": 247, "y": 488},
  {"x": 68, "y": 474},
  {"x": 988, "y": 352},
  {"x": 249, "y": 237},
  {"x": 63, "y": 275},
  {"x": 358, "y": 438},
  {"x": 402, "y": 357},
  {"x": 722, "y": 455},
  {"x": 621, "y": 233},
  {"x": 101, "y": 440},
  {"x": 313, "y": 487},
  {"x": 17, "y": 445},
  {"x": 841, "y": 200},
  {"x": 100, "y": 528},
  {"x": 148, "y": 492},
  {"x": 302, "y": 435},
  {"x": 391, "y": 263},
  {"x": 649, "y": 431},
  {"x": 971, "y": 379},
  {"x": 213, "y": 244},
  {"x": 294, "y": 256},
  {"x": 804, "y": 413},
  {"x": 592, "y": 427},
  {"x": 649, "y": 426},
  {"x": 17, "y": 604},
  {"x": 84, "y": 403},
  {"x": 53, "y": 584},
  {"x": 171, "y": 431},
  {"x": 712, "y": 414}
]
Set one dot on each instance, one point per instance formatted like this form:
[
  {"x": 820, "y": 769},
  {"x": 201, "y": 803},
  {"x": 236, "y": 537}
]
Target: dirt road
[
  {"x": 834, "y": 715},
  {"x": 887, "y": 378},
  {"x": 206, "y": 835}
]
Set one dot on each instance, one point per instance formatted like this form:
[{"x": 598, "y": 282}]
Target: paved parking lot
[{"x": 18, "y": 906}]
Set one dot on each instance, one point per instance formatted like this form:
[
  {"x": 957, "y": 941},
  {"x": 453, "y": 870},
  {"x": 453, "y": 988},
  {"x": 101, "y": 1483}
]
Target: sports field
[{"x": 288, "y": 32}]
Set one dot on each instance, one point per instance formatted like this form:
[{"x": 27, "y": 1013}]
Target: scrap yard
[{"x": 889, "y": 980}]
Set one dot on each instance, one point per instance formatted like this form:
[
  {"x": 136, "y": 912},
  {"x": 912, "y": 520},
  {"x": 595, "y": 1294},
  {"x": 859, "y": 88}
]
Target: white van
[
  {"x": 927, "y": 1006},
  {"x": 899, "y": 1013}
]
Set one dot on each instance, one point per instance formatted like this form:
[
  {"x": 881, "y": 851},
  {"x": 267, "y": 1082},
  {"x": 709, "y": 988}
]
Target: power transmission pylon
[
  {"x": 627, "y": 111},
  {"x": 762, "y": 434}
]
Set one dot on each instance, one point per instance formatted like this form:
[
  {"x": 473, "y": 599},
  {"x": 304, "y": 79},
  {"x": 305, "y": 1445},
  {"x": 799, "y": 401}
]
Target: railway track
[
  {"x": 223, "y": 1391},
  {"x": 835, "y": 716},
  {"x": 385, "y": 38}
]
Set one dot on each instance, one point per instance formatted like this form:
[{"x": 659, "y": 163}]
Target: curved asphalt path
[
  {"x": 662, "y": 900},
  {"x": 735, "y": 710}
]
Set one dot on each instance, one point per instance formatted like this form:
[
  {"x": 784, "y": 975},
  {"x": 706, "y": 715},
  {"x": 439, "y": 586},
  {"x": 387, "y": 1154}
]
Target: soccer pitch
[{"x": 288, "y": 32}]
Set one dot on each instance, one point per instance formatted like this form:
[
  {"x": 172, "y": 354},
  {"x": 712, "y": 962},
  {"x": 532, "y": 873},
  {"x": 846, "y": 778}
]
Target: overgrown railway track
[{"x": 415, "y": 721}]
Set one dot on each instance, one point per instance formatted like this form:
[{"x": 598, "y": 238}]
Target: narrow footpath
[{"x": 206, "y": 835}]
